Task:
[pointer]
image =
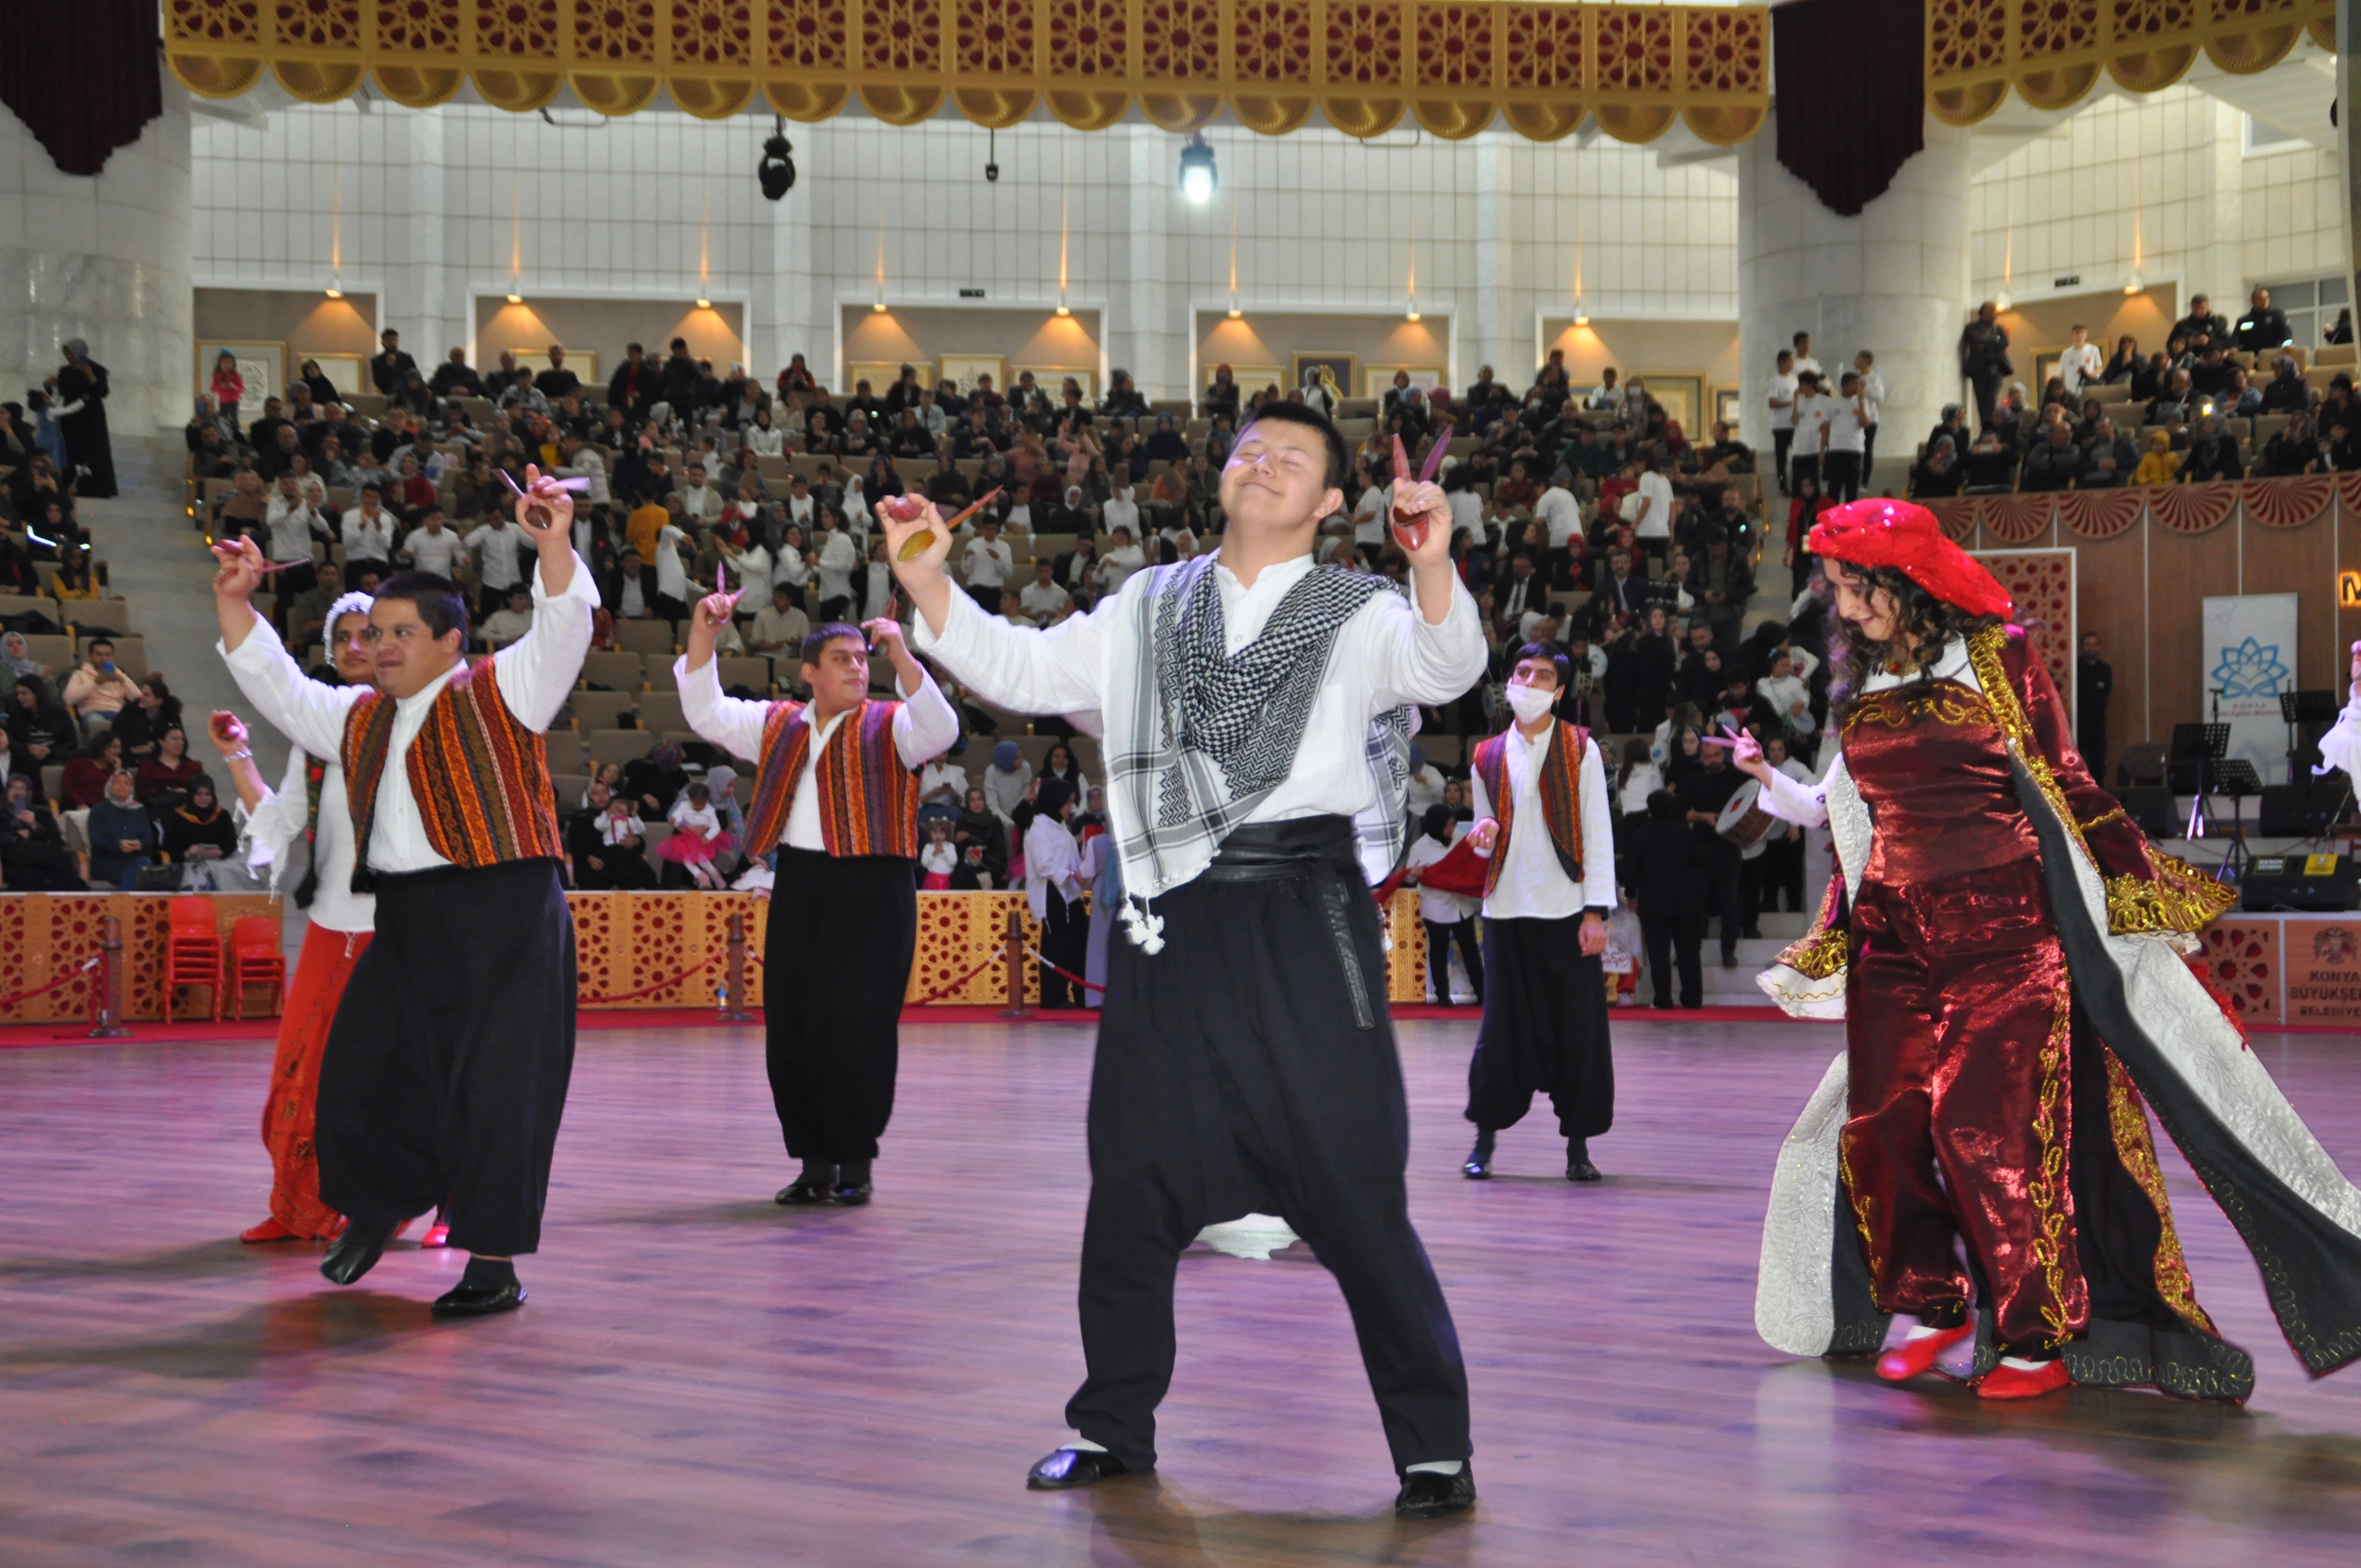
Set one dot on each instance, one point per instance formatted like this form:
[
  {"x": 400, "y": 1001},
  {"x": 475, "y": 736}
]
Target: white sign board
[{"x": 2249, "y": 660}]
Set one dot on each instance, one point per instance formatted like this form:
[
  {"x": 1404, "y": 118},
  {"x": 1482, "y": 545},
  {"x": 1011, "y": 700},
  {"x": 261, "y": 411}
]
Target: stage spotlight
[
  {"x": 1197, "y": 175},
  {"x": 777, "y": 171}
]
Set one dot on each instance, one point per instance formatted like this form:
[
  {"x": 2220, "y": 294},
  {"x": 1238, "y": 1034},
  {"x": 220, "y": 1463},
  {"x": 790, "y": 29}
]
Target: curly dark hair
[{"x": 1920, "y": 616}]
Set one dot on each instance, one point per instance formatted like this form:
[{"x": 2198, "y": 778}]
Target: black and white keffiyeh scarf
[{"x": 1213, "y": 733}]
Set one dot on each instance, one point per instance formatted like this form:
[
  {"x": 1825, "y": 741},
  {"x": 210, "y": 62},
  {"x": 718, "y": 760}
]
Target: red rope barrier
[
  {"x": 71, "y": 974},
  {"x": 651, "y": 990},
  {"x": 1059, "y": 968},
  {"x": 990, "y": 959}
]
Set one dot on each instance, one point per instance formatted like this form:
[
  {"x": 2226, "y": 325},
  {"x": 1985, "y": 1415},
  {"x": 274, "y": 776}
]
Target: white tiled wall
[{"x": 430, "y": 207}]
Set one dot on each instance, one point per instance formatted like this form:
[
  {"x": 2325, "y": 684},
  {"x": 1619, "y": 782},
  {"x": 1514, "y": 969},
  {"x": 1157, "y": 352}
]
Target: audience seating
[
  {"x": 616, "y": 671},
  {"x": 749, "y": 671},
  {"x": 645, "y": 636},
  {"x": 605, "y": 746},
  {"x": 590, "y": 710},
  {"x": 661, "y": 710}
]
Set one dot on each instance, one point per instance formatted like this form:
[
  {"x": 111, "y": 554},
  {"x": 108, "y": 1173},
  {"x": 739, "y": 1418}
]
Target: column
[
  {"x": 104, "y": 258},
  {"x": 1482, "y": 338},
  {"x": 1894, "y": 279}
]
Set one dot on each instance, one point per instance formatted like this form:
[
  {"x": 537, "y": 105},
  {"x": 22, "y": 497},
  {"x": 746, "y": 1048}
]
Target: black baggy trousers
[{"x": 832, "y": 1026}]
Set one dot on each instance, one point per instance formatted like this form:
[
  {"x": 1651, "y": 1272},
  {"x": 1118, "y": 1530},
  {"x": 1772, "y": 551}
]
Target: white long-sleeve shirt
[
  {"x": 837, "y": 560},
  {"x": 1386, "y": 656},
  {"x": 1532, "y": 884},
  {"x": 2341, "y": 747},
  {"x": 533, "y": 675},
  {"x": 494, "y": 546},
  {"x": 1434, "y": 905},
  {"x": 368, "y": 538},
  {"x": 1050, "y": 860},
  {"x": 1807, "y": 805},
  {"x": 290, "y": 524},
  {"x": 923, "y": 728},
  {"x": 276, "y": 827}
]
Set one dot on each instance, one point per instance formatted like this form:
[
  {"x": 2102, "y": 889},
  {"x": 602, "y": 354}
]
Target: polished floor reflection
[{"x": 702, "y": 1377}]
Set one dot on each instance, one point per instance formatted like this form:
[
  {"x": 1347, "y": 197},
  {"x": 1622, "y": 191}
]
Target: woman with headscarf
[
  {"x": 2005, "y": 948},
  {"x": 33, "y": 853},
  {"x": 722, "y": 790},
  {"x": 1449, "y": 917},
  {"x": 122, "y": 835},
  {"x": 2287, "y": 392},
  {"x": 40, "y": 732},
  {"x": 2213, "y": 453},
  {"x": 980, "y": 827},
  {"x": 16, "y": 656},
  {"x": 1007, "y": 781},
  {"x": 1055, "y": 880},
  {"x": 1937, "y": 474},
  {"x": 197, "y": 834},
  {"x": 81, "y": 414}
]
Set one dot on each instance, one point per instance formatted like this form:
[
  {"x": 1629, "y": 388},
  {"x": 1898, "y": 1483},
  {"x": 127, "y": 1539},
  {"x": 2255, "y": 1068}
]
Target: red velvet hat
[{"x": 1884, "y": 533}]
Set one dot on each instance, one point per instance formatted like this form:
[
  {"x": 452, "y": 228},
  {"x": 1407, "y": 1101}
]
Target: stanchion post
[
  {"x": 109, "y": 982},
  {"x": 1015, "y": 940},
  {"x": 732, "y": 1008}
]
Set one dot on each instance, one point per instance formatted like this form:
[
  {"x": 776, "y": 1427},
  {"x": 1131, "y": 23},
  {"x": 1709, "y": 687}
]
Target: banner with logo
[{"x": 2249, "y": 659}]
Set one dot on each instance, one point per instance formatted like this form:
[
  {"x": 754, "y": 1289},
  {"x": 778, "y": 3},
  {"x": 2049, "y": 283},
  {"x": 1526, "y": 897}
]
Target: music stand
[
  {"x": 2201, "y": 745},
  {"x": 2235, "y": 777},
  {"x": 2298, "y": 709}
]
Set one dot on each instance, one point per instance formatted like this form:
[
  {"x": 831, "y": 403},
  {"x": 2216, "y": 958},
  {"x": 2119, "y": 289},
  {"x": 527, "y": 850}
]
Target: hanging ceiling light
[
  {"x": 516, "y": 299},
  {"x": 777, "y": 172},
  {"x": 2135, "y": 284},
  {"x": 704, "y": 304},
  {"x": 333, "y": 293},
  {"x": 1197, "y": 175}
]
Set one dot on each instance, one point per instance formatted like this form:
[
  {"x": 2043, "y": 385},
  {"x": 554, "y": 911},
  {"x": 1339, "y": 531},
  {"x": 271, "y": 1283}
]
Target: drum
[{"x": 1743, "y": 821}]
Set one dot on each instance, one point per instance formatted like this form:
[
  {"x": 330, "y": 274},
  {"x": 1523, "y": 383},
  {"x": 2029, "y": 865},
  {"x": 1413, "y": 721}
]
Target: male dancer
[
  {"x": 307, "y": 809},
  {"x": 1258, "y": 725},
  {"x": 1542, "y": 815},
  {"x": 446, "y": 1068},
  {"x": 836, "y": 791}
]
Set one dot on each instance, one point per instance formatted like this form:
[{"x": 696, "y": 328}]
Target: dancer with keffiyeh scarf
[{"x": 1256, "y": 712}]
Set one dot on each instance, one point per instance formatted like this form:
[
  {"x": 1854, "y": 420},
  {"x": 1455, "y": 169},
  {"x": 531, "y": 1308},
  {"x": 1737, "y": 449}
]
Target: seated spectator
[
  {"x": 2109, "y": 460},
  {"x": 163, "y": 779},
  {"x": 2056, "y": 463},
  {"x": 510, "y": 621},
  {"x": 1788, "y": 698},
  {"x": 2171, "y": 406},
  {"x": 33, "y": 854},
  {"x": 2242, "y": 400},
  {"x": 454, "y": 378},
  {"x": 2213, "y": 453},
  {"x": 83, "y": 782},
  {"x": 122, "y": 837},
  {"x": 99, "y": 688},
  {"x": 2209, "y": 378},
  {"x": 2287, "y": 392},
  {"x": 1990, "y": 465},
  {"x": 2293, "y": 451},
  {"x": 2161, "y": 465},
  {"x": 1938, "y": 474},
  {"x": 197, "y": 831},
  {"x": 73, "y": 579},
  {"x": 606, "y": 842},
  {"x": 778, "y": 626}
]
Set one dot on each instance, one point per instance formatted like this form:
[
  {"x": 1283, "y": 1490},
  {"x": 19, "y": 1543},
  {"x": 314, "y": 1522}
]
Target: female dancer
[
  {"x": 307, "y": 809},
  {"x": 2007, "y": 951}
]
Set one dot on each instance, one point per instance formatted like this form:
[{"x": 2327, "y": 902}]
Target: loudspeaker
[
  {"x": 2299, "y": 810},
  {"x": 2300, "y": 882},
  {"x": 2153, "y": 807}
]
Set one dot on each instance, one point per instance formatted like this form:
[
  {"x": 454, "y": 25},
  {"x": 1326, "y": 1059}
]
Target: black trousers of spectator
[
  {"x": 446, "y": 1070},
  {"x": 1803, "y": 465},
  {"x": 986, "y": 595},
  {"x": 627, "y": 869},
  {"x": 1781, "y": 440},
  {"x": 832, "y": 1032},
  {"x": 1750, "y": 894},
  {"x": 1987, "y": 386},
  {"x": 1250, "y": 1066},
  {"x": 1783, "y": 875},
  {"x": 1840, "y": 475},
  {"x": 1868, "y": 448},
  {"x": 1442, "y": 936},
  {"x": 1675, "y": 940},
  {"x": 668, "y": 607},
  {"x": 293, "y": 582},
  {"x": 1065, "y": 941},
  {"x": 1721, "y": 874},
  {"x": 2091, "y": 739},
  {"x": 1806, "y": 568}
]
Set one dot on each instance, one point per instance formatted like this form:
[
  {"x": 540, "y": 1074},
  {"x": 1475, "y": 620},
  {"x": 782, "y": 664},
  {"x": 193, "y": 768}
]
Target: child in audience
[{"x": 697, "y": 835}]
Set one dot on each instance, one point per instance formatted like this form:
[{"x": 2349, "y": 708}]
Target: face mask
[{"x": 1530, "y": 702}]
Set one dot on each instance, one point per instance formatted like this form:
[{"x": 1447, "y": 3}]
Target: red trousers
[
  {"x": 290, "y": 1113},
  {"x": 1959, "y": 1034}
]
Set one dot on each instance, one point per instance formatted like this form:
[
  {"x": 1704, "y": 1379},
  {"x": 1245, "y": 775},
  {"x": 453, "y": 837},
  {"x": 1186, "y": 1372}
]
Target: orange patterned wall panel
[{"x": 46, "y": 935}]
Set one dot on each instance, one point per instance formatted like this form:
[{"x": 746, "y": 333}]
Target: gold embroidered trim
[
  {"x": 2116, "y": 815},
  {"x": 2136, "y": 1148},
  {"x": 1862, "y": 1206},
  {"x": 1985, "y": 653},
  {"x": 1822, "y": 951},
  {"x": 2179, "y": 899},
  {"x": 1899, "y": 707},
  {"x": 2047, "y": 1188}
]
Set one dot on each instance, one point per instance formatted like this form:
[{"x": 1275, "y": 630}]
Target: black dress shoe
[
  {"x": 851, "y": 1193},
  {"x": 799, "y": 1192},
  {"x": 1478, "y": 1165},
  {"x": 1582, "y": 1171},
  {"x": 1427, "y": 1496},
  {"x": 354, "y": 1253},
  {"x": 1067, "y": 1467},
  {"x": 465, "y": 1301}
]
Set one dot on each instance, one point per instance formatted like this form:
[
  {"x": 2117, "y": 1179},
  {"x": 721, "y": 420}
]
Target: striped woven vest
[
  {"x": 868, "y": 796},
  {"x": 1561, "y": 807},
  {"x": 479, "y": 776}
]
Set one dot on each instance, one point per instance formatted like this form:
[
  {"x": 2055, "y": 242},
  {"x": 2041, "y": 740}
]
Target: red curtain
[
  {"x": 1850, "y": 80},
  {"x": 85, "y": 77}
]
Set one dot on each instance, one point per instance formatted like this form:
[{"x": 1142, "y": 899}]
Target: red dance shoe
[
  {"x": 269, "y": 1231},
  {"x": 437, "y": 1234},
  {"x": 2006, "y": 1382},
  {"x": 1915, "y": 1358}
]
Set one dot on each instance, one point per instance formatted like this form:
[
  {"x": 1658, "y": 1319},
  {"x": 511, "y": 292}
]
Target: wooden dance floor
[{"x": 702, "y": 1377}]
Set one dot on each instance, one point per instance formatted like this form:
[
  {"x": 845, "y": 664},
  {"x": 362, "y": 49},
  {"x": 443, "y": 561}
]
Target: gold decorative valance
[
  {"x": 2051, "y": 52},
  {"x": 1451, "y": 65}
]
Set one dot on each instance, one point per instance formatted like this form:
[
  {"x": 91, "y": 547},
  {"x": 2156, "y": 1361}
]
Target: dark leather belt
[{"x": 1312, "y": 848}]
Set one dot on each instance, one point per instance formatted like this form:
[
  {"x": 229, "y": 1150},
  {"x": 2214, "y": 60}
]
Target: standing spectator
[
  {"x": 1983, "y": 358},
  {"x": 2094, "y": 683},
  {"x": 229, "y": 389},
  {"x": 389, "y": 368},
  {"x": 367, "y": 533},
  {"x": 1779, "y": 395},
  {"x": 1663, "y": 870},
  {"x": 1702, "y": 794},
  {"x": 89, "y": 464},
  {"x": 1780, "y": 870},
  {"x": 1804, "y": 364},
  {"x": 986, "y": 564},
  {"x": 494, "y": 546},
  {"x": 1650, "y": 511},
  {"x": 1449, "y": 917},
  {"x": 1845, "y": 445},
  {"x": 1873, "y": 399},
  {"x": 1802, "y": 511},
  {"x": 1722, "y": 582},
  {"x": 1812, "y": 411},
  {"x": 2079, "y": 365},
  {"x": 633, "y": 387},
  {"x": 2201, "y": 328},
  {"x": 431, "y": 547}
]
